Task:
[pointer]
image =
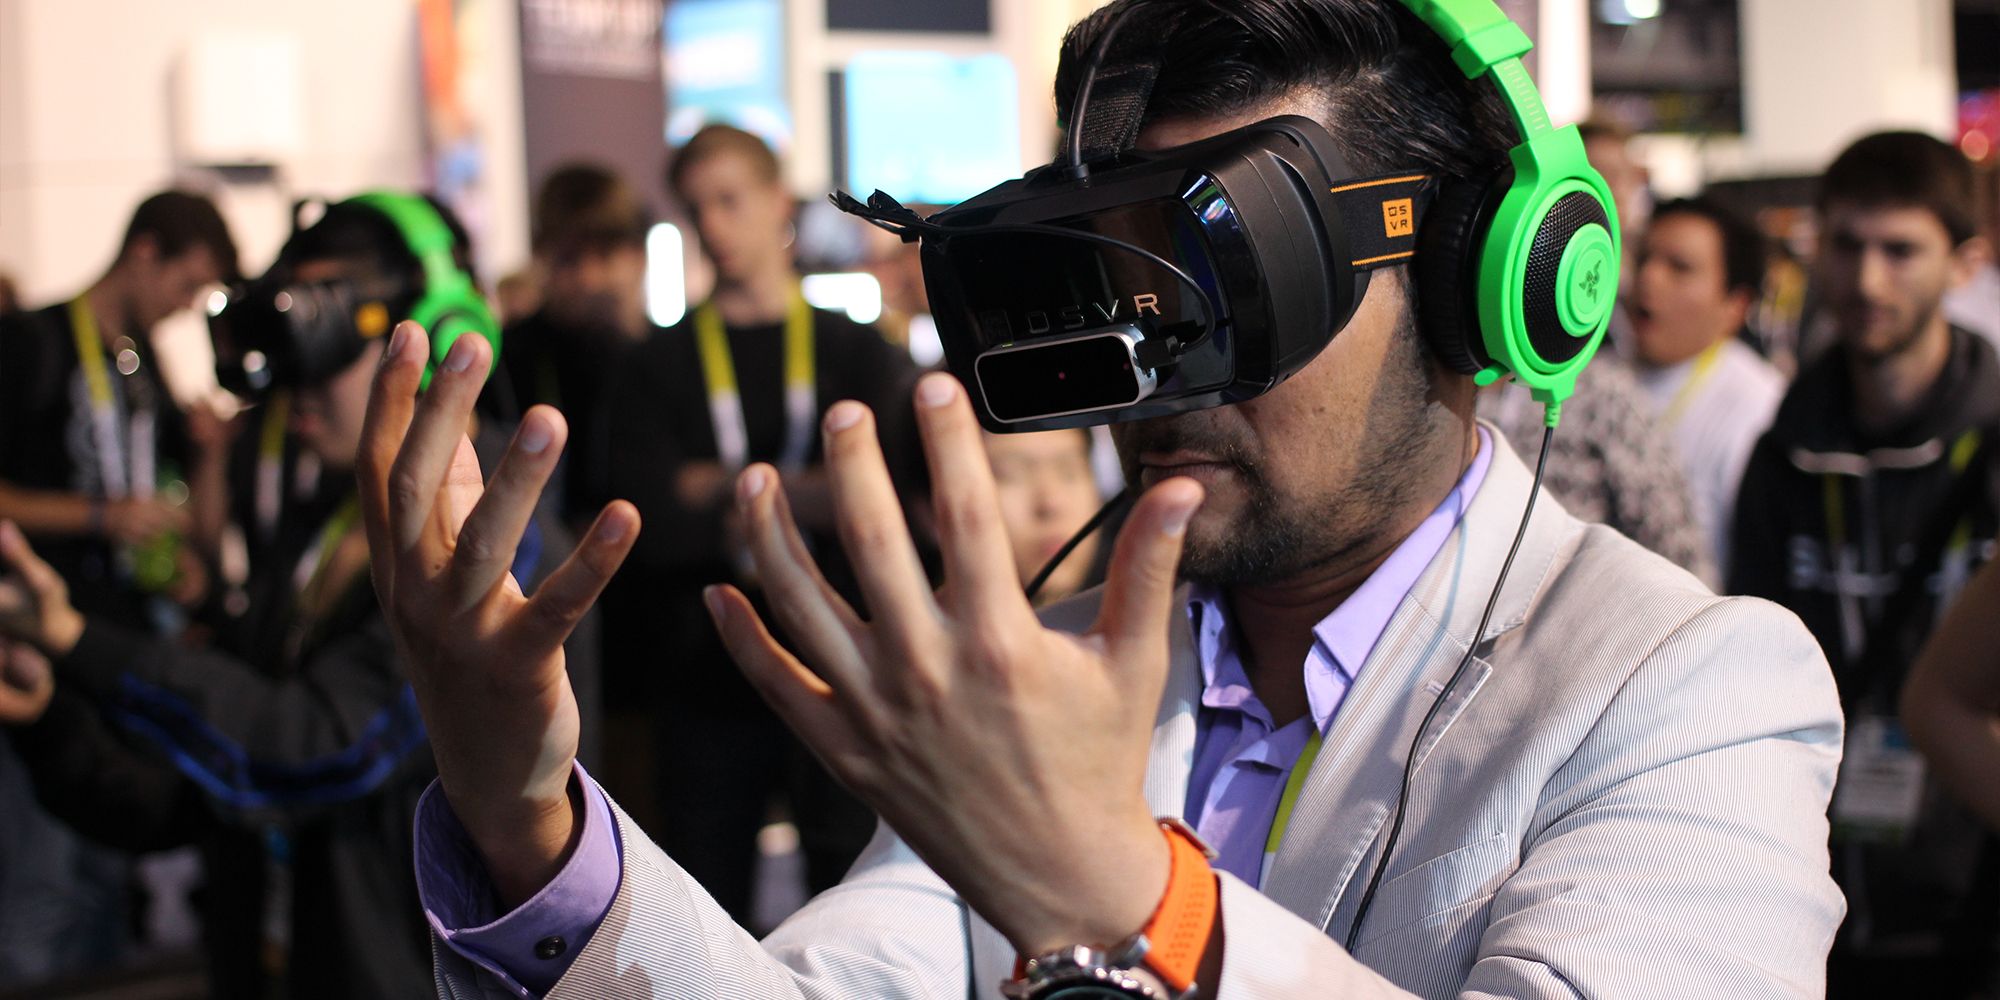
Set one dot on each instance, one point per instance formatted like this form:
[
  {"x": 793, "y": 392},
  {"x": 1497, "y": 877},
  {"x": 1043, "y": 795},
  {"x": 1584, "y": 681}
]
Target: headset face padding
[{"x": 1446, "y": 270}]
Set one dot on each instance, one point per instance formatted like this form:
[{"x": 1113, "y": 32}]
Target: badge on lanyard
[{"x": 1881, "y": 787}]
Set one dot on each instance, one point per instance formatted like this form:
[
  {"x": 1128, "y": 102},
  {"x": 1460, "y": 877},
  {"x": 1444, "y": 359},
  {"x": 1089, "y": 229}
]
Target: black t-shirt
[
  {"x": 657, "y": 635},
  {"x": 48, "y": 442},
  {"x": 571, "y": 369}
]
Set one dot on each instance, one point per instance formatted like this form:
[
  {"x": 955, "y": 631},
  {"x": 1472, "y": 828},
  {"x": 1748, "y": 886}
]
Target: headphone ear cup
[
  {"x": 1545, "y": 287},
  {"x": 1447, "y": 270}
]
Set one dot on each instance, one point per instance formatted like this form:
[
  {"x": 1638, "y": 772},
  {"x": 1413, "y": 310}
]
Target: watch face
[{"x": 1091, "y": 991}]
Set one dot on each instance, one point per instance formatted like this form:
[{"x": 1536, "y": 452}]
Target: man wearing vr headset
[
  {"x": 1597, "y": 779},
  {"x": 291, "y": 752}
]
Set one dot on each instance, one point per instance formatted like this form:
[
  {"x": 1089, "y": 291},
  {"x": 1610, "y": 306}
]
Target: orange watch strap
[
  {"x": 1179, "y": 931},
  {"x": 1177, "y": 935}
]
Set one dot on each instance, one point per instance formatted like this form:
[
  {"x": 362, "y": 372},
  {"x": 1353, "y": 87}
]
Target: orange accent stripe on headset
[
  {"x": 1381, "y": 181},
  {"x": 1378, "y": 260}
]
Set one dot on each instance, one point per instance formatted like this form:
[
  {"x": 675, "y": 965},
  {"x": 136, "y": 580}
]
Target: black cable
[
  {"x": 1410, "y": 763},
  {"x": 1081, "y": 103},
  {"x": 1096, "y": 521}
]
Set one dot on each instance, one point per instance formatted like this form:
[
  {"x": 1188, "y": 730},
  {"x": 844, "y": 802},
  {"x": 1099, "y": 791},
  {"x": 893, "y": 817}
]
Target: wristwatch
[{"x": 1159, "y": 962}]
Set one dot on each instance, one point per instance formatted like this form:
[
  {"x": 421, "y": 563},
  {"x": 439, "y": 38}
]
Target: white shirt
[{"x": 1715, "y": 406}]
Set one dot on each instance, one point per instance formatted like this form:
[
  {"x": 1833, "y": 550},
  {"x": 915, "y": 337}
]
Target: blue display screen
[
  {"x": 726, "y": 63},
  {"x": 930, "y": 127}
]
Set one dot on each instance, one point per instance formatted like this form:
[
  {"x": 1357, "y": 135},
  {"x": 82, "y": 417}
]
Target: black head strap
[{"x": 1117, "y": 107}]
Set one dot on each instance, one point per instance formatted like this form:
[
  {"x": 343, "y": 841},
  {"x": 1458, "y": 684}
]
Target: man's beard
[
  {"x": 1905, "y": 339},
  {"x": 1278, "y": 537}
]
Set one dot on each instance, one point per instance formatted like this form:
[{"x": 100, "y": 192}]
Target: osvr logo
[{"x": 998, "y": 324}]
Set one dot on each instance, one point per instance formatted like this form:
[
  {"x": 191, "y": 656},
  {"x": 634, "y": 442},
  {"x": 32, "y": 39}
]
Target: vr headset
[
  {"x": 1118, "y": 285},
  {"x": 277, "y": 332}
]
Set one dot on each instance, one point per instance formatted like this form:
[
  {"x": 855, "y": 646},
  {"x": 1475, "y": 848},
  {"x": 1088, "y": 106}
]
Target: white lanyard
[{"x": 725, "y": 401}]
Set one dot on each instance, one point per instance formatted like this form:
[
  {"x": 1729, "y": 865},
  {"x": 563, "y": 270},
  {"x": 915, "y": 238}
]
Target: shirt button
[{"x": 550, "y": 947}]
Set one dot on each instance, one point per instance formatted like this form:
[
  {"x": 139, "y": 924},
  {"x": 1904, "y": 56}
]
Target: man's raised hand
[
  {"x": 485, "y": 660},
  {"x": 1011, "y": 757}
]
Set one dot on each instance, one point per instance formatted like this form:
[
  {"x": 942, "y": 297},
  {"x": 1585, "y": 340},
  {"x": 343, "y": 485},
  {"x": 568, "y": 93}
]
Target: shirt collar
[{"x": 1343, "y": 639}]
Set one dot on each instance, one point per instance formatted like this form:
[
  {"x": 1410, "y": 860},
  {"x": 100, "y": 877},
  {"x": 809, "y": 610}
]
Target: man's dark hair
[
  {"x": 360, "y": 236},
  {"x": 1743, "y": 250},
  {"x": 1393, "y": 99},
  {"x": 1906, "y": 170},
  {"x": 586, "y": 205},
  {"x": 177, "y": 220}
]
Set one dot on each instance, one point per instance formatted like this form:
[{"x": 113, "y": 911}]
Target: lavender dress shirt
[
  {"x": 1241, "y": 757},
  {"x": 1240, "y": 766}
]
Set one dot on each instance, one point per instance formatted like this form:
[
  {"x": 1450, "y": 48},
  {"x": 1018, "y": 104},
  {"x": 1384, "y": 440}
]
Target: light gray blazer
[{"x": 1626, "y": 797}]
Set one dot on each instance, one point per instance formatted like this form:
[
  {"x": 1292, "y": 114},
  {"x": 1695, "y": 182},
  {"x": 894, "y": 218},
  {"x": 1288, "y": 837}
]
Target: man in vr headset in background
[
  {"x": 1416, "y": 772},
  {"x": 291, "y": 752}
]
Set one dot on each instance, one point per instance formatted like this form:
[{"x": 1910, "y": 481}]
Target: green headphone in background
[
  {"x": 450, "y": 305},
  {"x": 1530, "y": 252}
]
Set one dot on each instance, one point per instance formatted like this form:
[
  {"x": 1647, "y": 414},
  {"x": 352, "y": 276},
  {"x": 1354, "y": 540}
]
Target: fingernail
[
  {"x": 535, "y": 437},
  {"x": 937, "y": 390},
  {"x": 750, "y": 484},
  {"x": 712, "y": 596},
  {"x": 396, "y": 339},
  {"x": 843, "y": 415},
  {"x": 613, "y": 530},
  {"x": 459, "y": 358},
  {"x": 1176, "y": 521}
]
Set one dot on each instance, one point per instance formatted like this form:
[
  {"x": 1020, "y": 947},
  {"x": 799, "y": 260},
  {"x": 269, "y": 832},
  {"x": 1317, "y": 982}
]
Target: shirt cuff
[{"x": 529, "y": 949}]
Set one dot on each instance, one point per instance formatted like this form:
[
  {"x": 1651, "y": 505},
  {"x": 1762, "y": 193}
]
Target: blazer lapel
[{"x": 1342, "y": 812}]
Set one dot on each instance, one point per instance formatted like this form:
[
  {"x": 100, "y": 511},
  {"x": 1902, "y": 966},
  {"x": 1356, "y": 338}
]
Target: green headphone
[
  {"x": 450, "y": 305},
  {"x": 1517, "y": 270}
]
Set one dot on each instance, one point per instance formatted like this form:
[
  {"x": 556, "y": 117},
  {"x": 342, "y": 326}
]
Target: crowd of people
[{"x": 192, "y": 651}]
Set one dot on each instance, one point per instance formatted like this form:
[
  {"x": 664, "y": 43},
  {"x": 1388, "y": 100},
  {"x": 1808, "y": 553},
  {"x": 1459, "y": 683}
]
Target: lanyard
[
  {"x": 1704, "y": 369},
  {"x": 118, "y": 478},
  {"x": 1294, "y": 783},
  {"x": 725, "y": 403},
  {"x": 271, "y": 462},
  {"x": 320, "y": 556},
  {"x": 311, "y": 579},
  {"x": 1847, "y": 599}
]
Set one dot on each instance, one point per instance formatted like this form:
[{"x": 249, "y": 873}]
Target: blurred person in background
[
  {"x": 517, "y": 296},
  {"x": 1607, "y": 143},
  {"x": 1048, "y": 491},
  {"x": 1951, "y": 701},
  {"x": 590, "y": 255},
  {"x": 1614, "y": 466},
  {"x": 88, "y": 436},
  {"x": 1701, "y": 271},
  {"x": 744, "y": 378},
  {"x": 291, "y": 752},
  {"x": 1865, "y": 509}
]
